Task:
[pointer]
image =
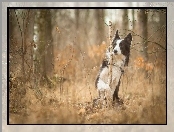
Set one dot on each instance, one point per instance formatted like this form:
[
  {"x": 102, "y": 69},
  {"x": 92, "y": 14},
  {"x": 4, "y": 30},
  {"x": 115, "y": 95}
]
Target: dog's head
[{"x": 121, "y": 46}]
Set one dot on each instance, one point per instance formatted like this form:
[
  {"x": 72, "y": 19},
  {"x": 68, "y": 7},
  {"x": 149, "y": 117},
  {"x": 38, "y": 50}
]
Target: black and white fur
[{"x": 120, "y": 52}]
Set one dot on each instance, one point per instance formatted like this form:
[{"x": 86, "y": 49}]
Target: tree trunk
[
  {"x": 77, "y": 35},
  {"x": 99, "y": 15},
  {"x": 42, "y": 44},
  {"x": 133, "y": 19},
  {"x": 28, "y": 35},
  {"x": 125, "y": 25},
  {"x": 44, "y": 54},
  {"x": 12, "y": 43},
  {"x": 77, "y": 18},
  {"x": 49, "y": 58},
  {"x": 142, "y": 18},
  {"x": 11, "y": 27},
  {"x": 162, "y": 18}
]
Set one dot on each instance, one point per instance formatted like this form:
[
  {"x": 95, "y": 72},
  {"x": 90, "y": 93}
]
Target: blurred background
[{"x": 55, "y": 55}]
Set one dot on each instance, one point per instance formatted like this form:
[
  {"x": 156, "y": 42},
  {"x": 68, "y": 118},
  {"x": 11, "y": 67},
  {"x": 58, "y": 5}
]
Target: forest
[{"x": 55, "y": 56}]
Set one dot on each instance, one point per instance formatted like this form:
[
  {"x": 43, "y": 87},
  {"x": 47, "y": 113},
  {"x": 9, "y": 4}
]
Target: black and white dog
[{"x": 120, "y": 53}]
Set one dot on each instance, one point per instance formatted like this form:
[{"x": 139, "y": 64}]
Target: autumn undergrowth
[{"x": 142, "y": 89}]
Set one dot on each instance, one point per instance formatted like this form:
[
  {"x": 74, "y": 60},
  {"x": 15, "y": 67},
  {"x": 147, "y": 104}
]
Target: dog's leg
[
  {"x": 115, "y": 95},
  {"x": 101, "y": 100},
  {"x": 116, "y": 99}
]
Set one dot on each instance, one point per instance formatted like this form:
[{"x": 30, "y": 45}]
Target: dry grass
[{"x": 144, "y": 98}]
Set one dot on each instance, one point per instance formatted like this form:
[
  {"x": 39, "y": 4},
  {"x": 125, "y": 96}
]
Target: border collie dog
[{"x": 120, "y": 53}]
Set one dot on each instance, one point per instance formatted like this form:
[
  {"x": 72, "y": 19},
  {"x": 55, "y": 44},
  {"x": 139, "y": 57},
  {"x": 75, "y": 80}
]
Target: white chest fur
[{"x": 117, "y": 66}]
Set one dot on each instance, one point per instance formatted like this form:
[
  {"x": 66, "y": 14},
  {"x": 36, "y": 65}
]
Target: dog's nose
[{"x": 115, "y": 51}]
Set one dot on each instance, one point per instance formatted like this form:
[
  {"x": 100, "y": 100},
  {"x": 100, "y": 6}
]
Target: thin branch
[
  {"x": 147, "y": 40},
  {"x": 111, "y": 56}
]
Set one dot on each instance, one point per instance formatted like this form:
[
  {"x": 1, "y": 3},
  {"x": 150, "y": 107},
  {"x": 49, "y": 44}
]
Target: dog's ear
[
  {"x": 128, "y": 38},
  {"x": 116, "y": 35}
]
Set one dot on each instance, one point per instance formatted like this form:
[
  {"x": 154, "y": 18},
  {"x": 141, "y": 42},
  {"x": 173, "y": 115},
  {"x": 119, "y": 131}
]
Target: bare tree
[
  {"x": 77, "y": 24},
  {"x": 125, "y": 21},
  {"x": 162, "y": 17},
  {"x": 12, "y": 38},
  {"x": 142, "y": 22},
  {"x": 133, "y": 19},
  {"x": 44, "y": 55},
  {"x": 11, "y": 26},
  {"x": 77, "y": 13},
  {"x": 49, "y": 58},
  {"x": 99, "y": 15}
]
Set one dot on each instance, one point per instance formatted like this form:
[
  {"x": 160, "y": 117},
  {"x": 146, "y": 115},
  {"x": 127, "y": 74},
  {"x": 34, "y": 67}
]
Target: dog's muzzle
[{"x": 115, "y": 51}]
